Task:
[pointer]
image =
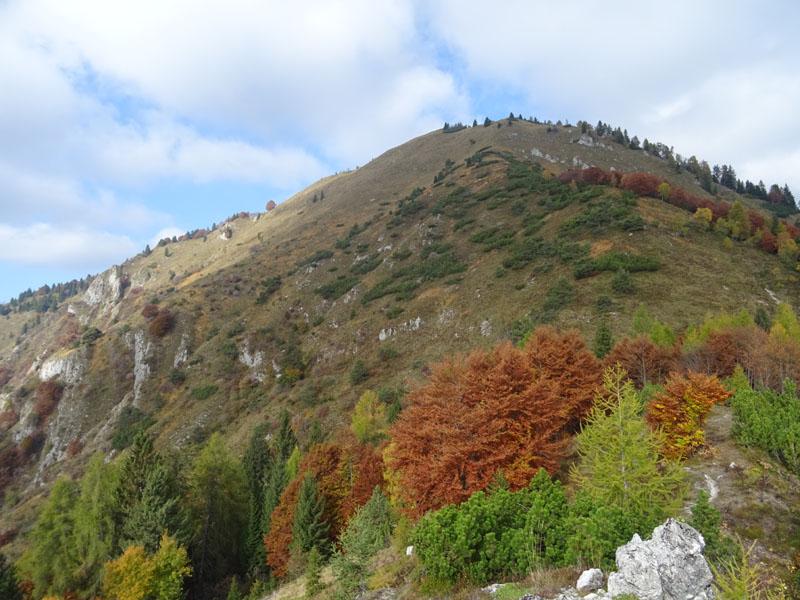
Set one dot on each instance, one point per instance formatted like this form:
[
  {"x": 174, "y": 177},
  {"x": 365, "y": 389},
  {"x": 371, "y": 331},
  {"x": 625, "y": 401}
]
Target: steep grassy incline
[{"x": 448, "y": 242}]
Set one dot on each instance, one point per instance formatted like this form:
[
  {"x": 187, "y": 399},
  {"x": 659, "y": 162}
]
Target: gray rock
[
  {"x": 589, "y": 581},
  {"x": 670, "y": 566},
  {"x": 492, "y": 589}
]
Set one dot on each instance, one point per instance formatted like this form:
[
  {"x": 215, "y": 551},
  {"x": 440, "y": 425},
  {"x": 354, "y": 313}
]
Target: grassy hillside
[{"x": 449, "y": 242}]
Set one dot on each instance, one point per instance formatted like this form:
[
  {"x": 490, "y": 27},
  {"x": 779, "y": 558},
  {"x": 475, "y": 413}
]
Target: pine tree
[
  {"x": 309, "y": 529},
  {"x": 313, "y": 573},
  {"x": 619, "y": 463},
  {"x": 278, "y": 480},
  {"x": 95, "y": 530},
  {"x": 142, "y": 458},
  {"x": 285, "y": 440},
  {"x": 52, "y": 557},
  {"x": 159, "y": 510},
  {"x": 367, "y": 532},
  {"x": 603, "y": 341},
  {"x": 234, "y": 593},
  {"x": 9, "y": 580},
  {"x": 218, "y": 501},
  {"x": 762, "y": 319},
  {"x": 256, "y": 463}
]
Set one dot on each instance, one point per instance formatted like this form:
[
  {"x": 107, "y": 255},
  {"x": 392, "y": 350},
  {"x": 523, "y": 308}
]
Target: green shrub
[
  {"x": 176, "y": 376},
  {"x": 359, "y": 373},
  {"x": 524, "y": 252},
  {"x": 623, "y": 283},
  {"x": 500, "y": 534},
  {"x": 366, "y": 265},
  {"x": 770, "y": 421},
  {"x": 318, "y": 256},
  {"x": 614, "y": 261},
  {"x": 337, "y": 288},
  {"x": 559, "y": 295},
  {"x": 387, "y": 353},
  {"x": 271, "y": 285},
  {"x": 402, "y": 254},
  {"x": 584, "y": 267},
  {"x": 230, "y": 350},
  {"x": 235, "y": 329},
  {"x": 130, "y": 422},
  {"x": 204, "y": 392},
  {"x": 393, "y": 312}
]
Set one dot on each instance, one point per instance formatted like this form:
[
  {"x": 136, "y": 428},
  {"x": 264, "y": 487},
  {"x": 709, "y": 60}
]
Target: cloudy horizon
[{"x": 121, "y": 122}]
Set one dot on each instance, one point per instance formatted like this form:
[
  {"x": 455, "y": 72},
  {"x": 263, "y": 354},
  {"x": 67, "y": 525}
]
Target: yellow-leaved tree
[{"x": 137, "y": 576}]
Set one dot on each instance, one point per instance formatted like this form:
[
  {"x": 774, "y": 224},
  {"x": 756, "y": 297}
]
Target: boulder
[
  {"x": 669, "y": 566},
  {"x": 589, "y": 581}
]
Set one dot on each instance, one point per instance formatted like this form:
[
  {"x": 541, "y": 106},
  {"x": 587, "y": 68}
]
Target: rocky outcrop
[
  {"x": 69, "y": 365},
  {"x": 589, "y": 581},
  {"x": 669, "y": 566},
  {"x": 141, "y": 369},
  {"x": 105, "y": 289}
]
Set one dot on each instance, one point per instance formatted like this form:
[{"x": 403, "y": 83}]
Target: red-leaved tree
[{"x": 507, "y": 410}]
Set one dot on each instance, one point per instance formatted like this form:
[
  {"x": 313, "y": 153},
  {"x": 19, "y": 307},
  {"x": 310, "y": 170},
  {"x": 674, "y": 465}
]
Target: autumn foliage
[
  {"x": 572, "y": 370},
  {"x": 48, "y": 394},
  {"x": 641, "y": 184},
  {"x": 509, "y": 410},
  {"x": 642, "y": 359},
  {"x": 346, "y": 473},
  {"x": 680, "y": 411},
  {"x": 162, "y": 323}
]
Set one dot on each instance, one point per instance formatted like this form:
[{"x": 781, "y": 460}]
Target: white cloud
[
  {"x": 44, "y": 245},
  {"x": 27, "y": 197}
]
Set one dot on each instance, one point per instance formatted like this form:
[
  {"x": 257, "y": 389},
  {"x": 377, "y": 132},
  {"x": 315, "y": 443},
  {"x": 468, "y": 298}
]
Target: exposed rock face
[
  {"x": 141, "y": 370},
  {"x": 105, "y": 289},
  {"x": 589, "y": 581},
  {"x": 670, "y": 566},
  {"x": 71, "y": 366}
]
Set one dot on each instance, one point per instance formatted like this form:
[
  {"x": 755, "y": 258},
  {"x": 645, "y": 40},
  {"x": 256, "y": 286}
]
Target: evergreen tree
[
  {"x": 367, "y": 532},
  {"x": 234, "y": 593},
  {"x": 256, "y": 462},
  {"x": 158, "y": 510},
  {"x": 218, "y": 502},
  {"x": 285, "y": 440},
  {"x": 293, "y": 464},
  {"x": 315, "y": 436},
  {"x": 52, "y": 557},
  {"x": 313, "y": 573},
  {"x": 395, "y": 408},
  {"x": 309, "y": 529},
  {"x": 603, "y": 340},
  {"x": 762, "y": 319},
  {"x": 619, "y": 463},
  {"x": 278, "y": 480},
  {"x": 9, "y": 580},
  {"x": 708, "y": 520},
  {"x": 95, "y": 530}
]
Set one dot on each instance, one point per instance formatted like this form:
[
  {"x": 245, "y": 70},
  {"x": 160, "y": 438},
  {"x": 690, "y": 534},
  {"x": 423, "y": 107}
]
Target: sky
[{"x": 124, "y": 122}]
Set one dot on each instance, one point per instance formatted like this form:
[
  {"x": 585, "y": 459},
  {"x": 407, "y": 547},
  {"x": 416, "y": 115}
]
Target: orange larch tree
[
  {"x": 507, "y": 410},
  {"x": 568, "y": 366},
  {"x": 642, "y": 359},
  {"x": 680, "y": 411}
]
